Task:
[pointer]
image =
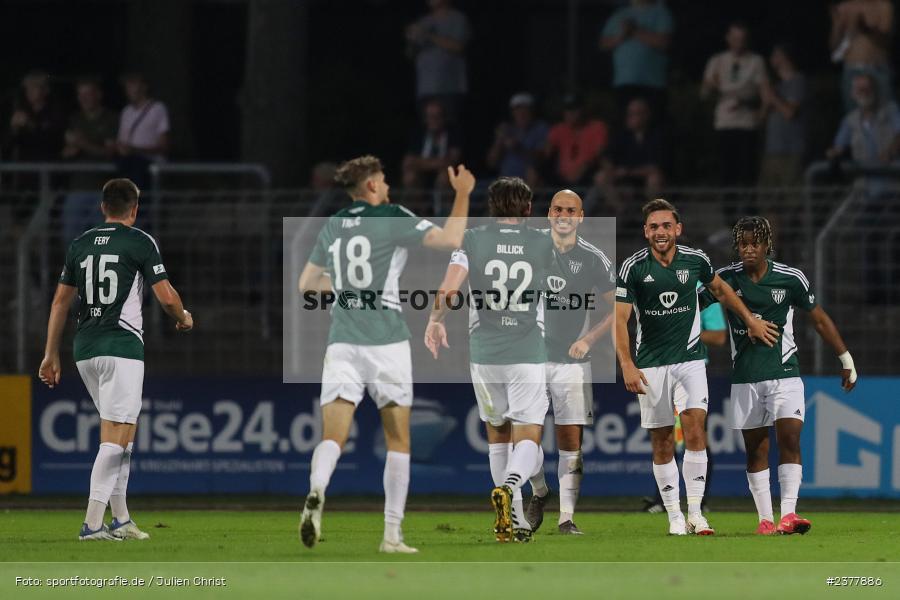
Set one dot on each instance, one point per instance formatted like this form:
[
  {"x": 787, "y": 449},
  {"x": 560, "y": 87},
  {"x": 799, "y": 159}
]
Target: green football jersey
[
  {"x": 575, "y": 286},
  {"x": 109, "y": 265},
  {"x": 508, "y": 265},
  {"x": 363, "y": 249},
  {"x": 773, "y": 298},
  {"x": 665, "y": 305}
]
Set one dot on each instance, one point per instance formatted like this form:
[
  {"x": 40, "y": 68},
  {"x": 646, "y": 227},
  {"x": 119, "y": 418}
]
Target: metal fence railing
[{"x": 223, "y": 250}]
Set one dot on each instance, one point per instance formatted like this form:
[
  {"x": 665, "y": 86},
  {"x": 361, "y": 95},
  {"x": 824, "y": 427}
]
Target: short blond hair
[{"x": 351, "y": 174}]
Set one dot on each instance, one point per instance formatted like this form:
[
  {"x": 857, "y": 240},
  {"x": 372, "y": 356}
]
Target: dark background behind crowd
[{"x": 297, "y": 84}]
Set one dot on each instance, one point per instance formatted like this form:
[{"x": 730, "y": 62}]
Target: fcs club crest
[
  {"x": 556, "y": 284},
  {"x": 778, "y": 295},
  {"x": 683, "y": 275},
  {"x": 668, "y": 299}
]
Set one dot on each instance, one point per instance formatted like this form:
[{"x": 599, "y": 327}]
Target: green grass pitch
[{"x": 621, "y": 555}]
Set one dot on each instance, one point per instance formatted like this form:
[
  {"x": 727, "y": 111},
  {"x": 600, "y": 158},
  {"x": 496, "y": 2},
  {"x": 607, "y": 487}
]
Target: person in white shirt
[
  {"x": 737, "y": 76},
  {"x": 143, "y": 136}
]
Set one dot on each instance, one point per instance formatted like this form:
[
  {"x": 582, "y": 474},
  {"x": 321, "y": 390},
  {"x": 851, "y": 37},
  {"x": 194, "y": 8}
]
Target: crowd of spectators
[
  {"x": 758, "y": 128},
  {"x": 40, "y": 131},
  {"x": 759, "y": 103}
]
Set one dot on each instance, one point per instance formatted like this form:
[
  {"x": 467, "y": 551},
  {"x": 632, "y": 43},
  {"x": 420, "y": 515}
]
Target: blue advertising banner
[
  {"x": 851, "y": 442},
  {"x": 257, "y": 436}
]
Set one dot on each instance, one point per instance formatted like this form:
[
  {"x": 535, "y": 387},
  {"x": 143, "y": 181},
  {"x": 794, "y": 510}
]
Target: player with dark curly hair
[{"x": 765, "y": 386}]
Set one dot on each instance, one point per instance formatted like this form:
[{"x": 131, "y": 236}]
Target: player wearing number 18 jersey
[
  {"x": 359, "y": 256},
  {"x": 107, "y": 267},
  {"x": 660, "y": 284},
  {"x": 766, "y": 387},
  {"x": 506, "y": 263}
]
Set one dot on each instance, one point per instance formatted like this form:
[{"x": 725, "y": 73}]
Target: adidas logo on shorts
[
  {"x": 701, "y": 478},
  {"x": 649, "y": 278},
  {"x": 797, "y": 412},
  {"x": 668, "y": 488}
]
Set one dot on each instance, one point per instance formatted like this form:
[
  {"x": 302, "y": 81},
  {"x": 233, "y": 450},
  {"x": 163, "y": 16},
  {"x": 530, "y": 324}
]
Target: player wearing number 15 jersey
[
  {"x": 506, "y": 263},
  {"x": 107, "y": 267},
  {"x": 359, "y": 256}
]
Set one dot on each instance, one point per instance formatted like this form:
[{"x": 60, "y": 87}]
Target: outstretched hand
[{"x": 462, "y": 179}]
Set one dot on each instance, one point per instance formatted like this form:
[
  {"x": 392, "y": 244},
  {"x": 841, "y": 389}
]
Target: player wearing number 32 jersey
[
  {"x": 659, "y": 284},
  {"x": 506, "y": 263},
  {"x": 359, "y": 256},
  {"x": 108, "y": 267}
]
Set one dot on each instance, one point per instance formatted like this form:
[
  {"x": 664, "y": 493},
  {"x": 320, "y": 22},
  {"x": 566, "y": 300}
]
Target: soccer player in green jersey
[
  {"x": 107, "y": 267},
  {"x": 659, "y": 283},
  {"x": 360, "y": 253},
  {"x": 506, "y": 263},
  {"x": 579, "y": 271},
  {"x": 765, "y": 384}
]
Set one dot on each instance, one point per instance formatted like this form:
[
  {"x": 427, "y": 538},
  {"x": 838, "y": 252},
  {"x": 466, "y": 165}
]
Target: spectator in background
[
  {"x": 143, "y": 131},
  {"x": 36, "y": 125},
  {"x": 519, "y": 141},
  {"x": 437, "y": 42},
  {"x": 636, "y": 158},
  {"x": 861, "y": 40},
  {"x": 784, "y": 110},
  {"x": 737, "y": 76},
  {"x": 329, "y": 197},
  {"x": 638, "y": 36},
  {"x": 90, "y": 137},
  {"x": 871, "y": 133},
  {"x": 574, "y": 145},
  {"x": 431, "y": 151}
]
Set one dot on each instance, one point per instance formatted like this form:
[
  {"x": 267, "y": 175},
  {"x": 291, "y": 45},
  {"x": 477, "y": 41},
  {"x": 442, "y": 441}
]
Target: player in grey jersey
[
  {"x": 579, "y": 269},
  {"x": 107, "y": 267},
  {"x": 363, "y": 249},
  {"x": 506, "y": 263}
]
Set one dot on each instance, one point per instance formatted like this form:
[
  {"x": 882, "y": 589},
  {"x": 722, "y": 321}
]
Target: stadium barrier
[
  {"x": 223, "y": 250},
  {"x": 256, "y": 435}
]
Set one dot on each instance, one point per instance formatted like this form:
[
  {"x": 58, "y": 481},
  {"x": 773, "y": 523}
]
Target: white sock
[
  {"x": 324, "y": 460},
  {"x": 789, "y": 477},
  {"x": 396, "y": 485},
  {"x": 117, "y": 498},
  {"x": 539, "y": 480},
  {"x": 762, "y": 494},
  {"x": 569, "y": 470},
  {"x": 693, "y": 470},
  {"x": 523, "y": 463},
  {"x": 498, "y": 457},
  {"x": 518, "y": 511},
  {"x": 103, "y": 478},
  {"x": 667, "y": 481}
]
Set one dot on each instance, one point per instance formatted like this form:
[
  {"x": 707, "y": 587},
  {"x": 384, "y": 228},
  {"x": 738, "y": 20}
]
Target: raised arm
[
  {"x": 826, "y": 328},
  {"x": 49, "y": 371},
  {"x": 450, "y": 236},
  {"x": 757, "y": 329}
]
